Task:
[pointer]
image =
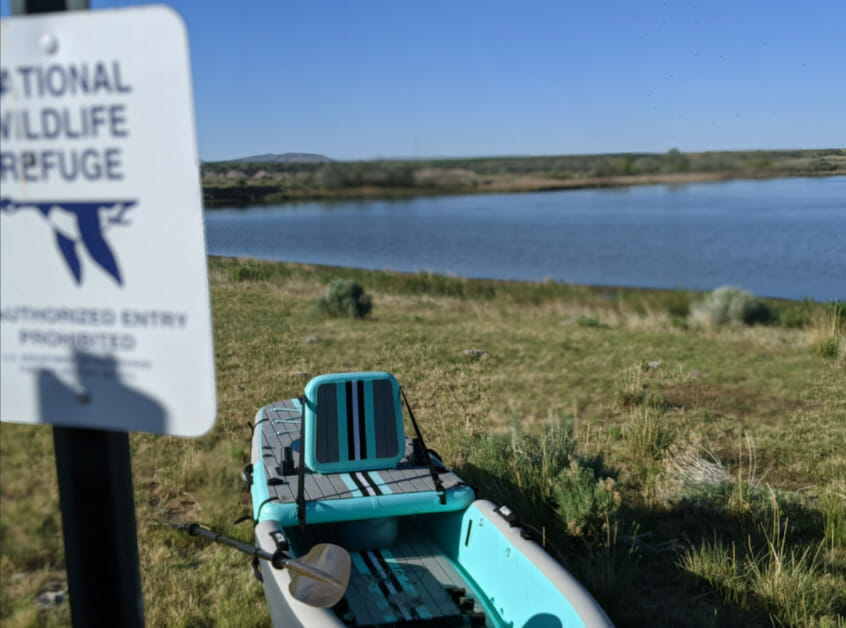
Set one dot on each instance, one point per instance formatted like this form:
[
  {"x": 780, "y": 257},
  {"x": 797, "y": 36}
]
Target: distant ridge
[{"x": 271, "y": 158}]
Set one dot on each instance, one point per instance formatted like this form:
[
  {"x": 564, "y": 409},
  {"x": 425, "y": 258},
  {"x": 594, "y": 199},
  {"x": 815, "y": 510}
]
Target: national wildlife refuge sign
[{"x": 104, "y": 298}]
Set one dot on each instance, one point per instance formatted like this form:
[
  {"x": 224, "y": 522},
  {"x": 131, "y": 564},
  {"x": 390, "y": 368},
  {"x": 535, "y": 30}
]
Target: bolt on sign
[{"x": 104, "y": 300}]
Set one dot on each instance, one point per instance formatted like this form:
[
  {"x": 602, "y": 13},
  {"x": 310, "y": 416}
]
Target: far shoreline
[
  {"x": 214, "y": 200},
  {"x": 237, "y": 184}
]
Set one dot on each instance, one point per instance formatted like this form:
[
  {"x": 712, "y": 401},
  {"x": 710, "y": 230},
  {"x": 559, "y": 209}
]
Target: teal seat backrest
[{"x": 353, "y": 422}]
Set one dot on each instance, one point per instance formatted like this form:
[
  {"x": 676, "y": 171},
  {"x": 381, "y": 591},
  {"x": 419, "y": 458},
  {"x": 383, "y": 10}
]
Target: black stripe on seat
[
  {"x": 373, "y": 484},
  {"x": 350, "y": 427},
  {"x": 362, "y": 420},
  {"x": 359, "y": 484}
]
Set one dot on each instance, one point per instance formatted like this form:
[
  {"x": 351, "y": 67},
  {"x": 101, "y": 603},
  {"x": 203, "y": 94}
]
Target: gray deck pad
[
  {"x": 407, "y": 584},
  {"x": 280, "y": 444}
]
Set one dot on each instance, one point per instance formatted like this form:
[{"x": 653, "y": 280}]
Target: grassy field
[
  {"x": 226, "y": 183},
  {"x": 688, "y": 475}
]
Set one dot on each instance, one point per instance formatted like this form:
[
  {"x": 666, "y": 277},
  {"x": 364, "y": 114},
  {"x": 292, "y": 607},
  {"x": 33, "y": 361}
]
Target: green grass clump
[
  {"x": 827, "y": 330},
  {"x": 545, "y": 478},
  {"x": 828, "y": 347},
  {"x": 718, "y": 566},
  {"x": 588, "y": 321},
  {"x": 677, "y": 304},
  {"x": 637, "y": 388},
  {"x": 345, "y": 297},
  {"x": 797, "y": 314},
  {"x": 250, "y": 270},
  {"x": 790, "y": 582},
  {"x": 732, "y": 305},
  {"x": 647, "y": 434},
  {"x": 832, "y": 505},
  {"x": 825, "y": 324}
]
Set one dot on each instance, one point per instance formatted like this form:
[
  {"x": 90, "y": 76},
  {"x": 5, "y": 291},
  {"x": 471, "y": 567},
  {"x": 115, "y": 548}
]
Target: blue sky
[{"x": 367, "y": 79}]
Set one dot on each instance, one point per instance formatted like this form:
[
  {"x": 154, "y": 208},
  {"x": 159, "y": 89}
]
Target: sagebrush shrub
[
  {"x": 732, "y": 305},
  {"x": 584, "y": 501},
  {"x": 545, "y": 479},
  {"x": 345, "y": 297}
]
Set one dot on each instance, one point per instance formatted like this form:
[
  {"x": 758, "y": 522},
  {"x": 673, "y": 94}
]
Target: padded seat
[
  {"x": 358, "y": 463},
  {"x": 353, "y": 422}
]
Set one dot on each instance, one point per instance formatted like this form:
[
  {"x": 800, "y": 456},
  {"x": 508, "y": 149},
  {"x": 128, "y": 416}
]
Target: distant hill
[{"x": 271, "y": 158}]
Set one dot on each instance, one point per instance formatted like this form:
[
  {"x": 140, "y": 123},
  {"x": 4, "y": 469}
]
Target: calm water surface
[{"x": 778, "y": 237}]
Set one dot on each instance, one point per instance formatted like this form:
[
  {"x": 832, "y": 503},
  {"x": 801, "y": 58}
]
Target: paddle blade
[{"x": 320, "y": 578}]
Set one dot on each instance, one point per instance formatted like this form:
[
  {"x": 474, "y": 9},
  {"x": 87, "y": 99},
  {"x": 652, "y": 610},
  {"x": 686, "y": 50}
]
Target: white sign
[{"x": 104, "y": 299}]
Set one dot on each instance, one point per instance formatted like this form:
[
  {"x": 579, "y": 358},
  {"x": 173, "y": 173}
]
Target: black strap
[
  {"x": 253, "y": 427},
  {"x": 301, "y": 504},
  {"x": 261, "y": 505},
  {"x": 426, "y": 457},
  {"x": 257, "y": 569}
]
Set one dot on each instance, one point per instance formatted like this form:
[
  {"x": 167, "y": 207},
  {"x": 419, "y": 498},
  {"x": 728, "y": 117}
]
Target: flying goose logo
[{"x": 80, "y": 224}]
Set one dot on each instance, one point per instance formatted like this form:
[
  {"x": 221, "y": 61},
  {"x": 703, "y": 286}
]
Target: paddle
[{"x": 319, "y": 578}]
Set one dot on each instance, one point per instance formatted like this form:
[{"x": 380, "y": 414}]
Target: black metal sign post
[
  {"x": 96, "y": 497},
  {"x": 98, "y": 521}
]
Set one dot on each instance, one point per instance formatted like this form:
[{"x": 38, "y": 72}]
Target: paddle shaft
[{"x": 277, "y": 558}]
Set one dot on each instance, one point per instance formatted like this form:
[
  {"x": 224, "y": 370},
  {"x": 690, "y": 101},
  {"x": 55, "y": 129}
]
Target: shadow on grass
[{"x": 630, "y": 562}]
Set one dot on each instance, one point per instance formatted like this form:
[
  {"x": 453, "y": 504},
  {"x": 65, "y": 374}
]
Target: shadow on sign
[{"x": 101, "y": 400}]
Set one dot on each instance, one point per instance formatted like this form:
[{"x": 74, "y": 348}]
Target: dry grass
[
  {"x": 827, "y": 333},
  {"x": 541, "y": 367},
  {"x": 792, "y": 584}
]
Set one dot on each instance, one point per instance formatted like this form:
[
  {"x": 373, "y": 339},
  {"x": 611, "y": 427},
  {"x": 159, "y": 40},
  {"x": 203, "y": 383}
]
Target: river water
[{"x": 777, "y": 237}]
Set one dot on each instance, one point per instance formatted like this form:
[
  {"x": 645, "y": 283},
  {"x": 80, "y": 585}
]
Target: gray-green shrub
[
  {"x": 732, "y": 305},
  {"x": 583, "y": 501},
  {"x": 545, "y": 480},
  {"x": 347, "y": 298}
]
